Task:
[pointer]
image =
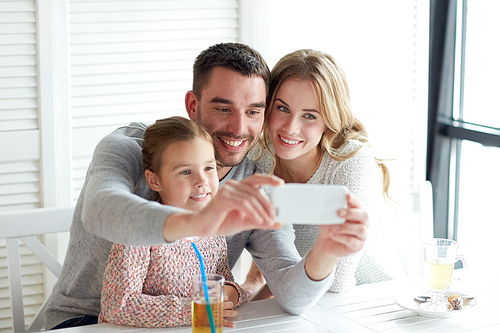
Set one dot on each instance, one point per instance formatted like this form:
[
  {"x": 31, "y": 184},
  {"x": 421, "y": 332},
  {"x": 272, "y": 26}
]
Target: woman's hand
[
  {"x": 230, "y": 300},
  {"x": 339, "y": 240}
]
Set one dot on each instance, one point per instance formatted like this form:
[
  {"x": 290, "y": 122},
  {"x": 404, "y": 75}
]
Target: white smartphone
[{"x": 309, "y": 203}]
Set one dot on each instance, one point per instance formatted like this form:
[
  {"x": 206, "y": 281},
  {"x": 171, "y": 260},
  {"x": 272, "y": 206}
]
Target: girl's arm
[{"x": 122, "y": 300}]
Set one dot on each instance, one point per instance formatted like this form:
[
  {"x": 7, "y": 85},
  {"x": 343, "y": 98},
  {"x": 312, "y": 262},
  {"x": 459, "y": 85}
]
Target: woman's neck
[{"x": 300, "y": 169}]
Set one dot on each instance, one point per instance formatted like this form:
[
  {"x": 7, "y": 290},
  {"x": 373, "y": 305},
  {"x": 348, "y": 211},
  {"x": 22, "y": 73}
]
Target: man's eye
[
  {"x": 186, "y": 172},
  {"x": 224, "y": 109},
  {"x": 253, "y": 112}
]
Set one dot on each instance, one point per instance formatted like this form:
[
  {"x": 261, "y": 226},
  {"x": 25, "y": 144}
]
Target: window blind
[
  {"x": 133, "y": 62},
  {"x": 19, "y": 151},
  {"x": 128, "y": 61}
]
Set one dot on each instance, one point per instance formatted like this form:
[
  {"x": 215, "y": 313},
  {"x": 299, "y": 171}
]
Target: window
[{"x": 464, "y": 124}]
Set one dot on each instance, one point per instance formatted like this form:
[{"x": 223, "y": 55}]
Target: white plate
[{"x": 406, "y": 300}]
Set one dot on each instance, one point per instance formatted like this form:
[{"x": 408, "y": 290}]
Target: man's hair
[
  {"x": 233, "y": 56},
  {"x": 163, "y": 133}
]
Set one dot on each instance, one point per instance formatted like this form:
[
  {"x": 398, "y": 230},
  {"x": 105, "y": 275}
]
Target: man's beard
[
  {"x": 235, "y": 158},
  {"x": 215, "y": 137}
]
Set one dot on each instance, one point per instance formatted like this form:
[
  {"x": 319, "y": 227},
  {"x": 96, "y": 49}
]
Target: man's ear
[
  {"x": 191, "y": 103},
  {"x": 152, "y": 180}
]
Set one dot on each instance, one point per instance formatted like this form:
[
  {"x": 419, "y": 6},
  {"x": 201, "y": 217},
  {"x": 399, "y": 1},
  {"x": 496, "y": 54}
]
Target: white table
[{"x": 366, "y": 308}]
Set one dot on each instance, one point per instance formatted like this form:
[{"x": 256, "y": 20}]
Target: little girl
[{"x": 150, "y": 286}]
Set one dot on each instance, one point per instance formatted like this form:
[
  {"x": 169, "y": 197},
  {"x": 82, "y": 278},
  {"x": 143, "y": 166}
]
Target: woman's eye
[
  {"x": 186, "y": 172},
  {"x": 283, "y": 108},
  {"x": 209, "y": 168},
  {"x": 310, "y": 116}
]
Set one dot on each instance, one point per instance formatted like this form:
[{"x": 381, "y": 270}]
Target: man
[{"x": 229, "y": 98}]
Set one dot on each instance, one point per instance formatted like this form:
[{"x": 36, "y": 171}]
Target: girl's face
[
  {"x": 188, "y": 175},
  {"x": 295, "y": 124}
]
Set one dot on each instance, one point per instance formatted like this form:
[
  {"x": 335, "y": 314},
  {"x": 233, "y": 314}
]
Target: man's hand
[
  {"x": 238, "y": 206},
  {"x": 336, "y": 241}
]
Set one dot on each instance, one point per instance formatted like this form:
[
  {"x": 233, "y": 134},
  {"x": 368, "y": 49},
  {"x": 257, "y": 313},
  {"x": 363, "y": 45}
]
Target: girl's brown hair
[{"x": 164, "y": 132}]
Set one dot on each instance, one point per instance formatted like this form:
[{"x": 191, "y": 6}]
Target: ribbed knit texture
[
  {"x": 151, "y": 286},
  {"x": 378, "y": 261}
]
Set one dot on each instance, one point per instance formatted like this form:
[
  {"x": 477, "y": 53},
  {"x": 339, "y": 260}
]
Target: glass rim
[
  {"x": 210, "y": 277},
  {"x": 440, "y": 242}
]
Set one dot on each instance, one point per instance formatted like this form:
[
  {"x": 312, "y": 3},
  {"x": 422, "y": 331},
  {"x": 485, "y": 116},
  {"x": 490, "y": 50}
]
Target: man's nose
[{"x": 237, "y": 123}]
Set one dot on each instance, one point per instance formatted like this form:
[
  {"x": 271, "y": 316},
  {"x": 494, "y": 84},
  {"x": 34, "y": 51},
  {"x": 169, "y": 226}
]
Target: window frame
[{"x": 445, "y": 134}]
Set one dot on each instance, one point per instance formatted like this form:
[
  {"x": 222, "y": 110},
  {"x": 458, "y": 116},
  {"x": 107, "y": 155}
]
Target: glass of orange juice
[
  {"x": 199, "y": 309},
  {"x": 440, "y": 256}
]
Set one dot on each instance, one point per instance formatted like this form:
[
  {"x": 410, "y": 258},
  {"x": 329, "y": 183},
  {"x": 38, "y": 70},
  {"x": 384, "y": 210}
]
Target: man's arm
[
  {"x": 116, "y": 205},
  {"x": 296, "y": 283},
  {"x": 238, "y": 206},
  {"x": 116, "y": 198},
  {"x": 283, "y": 268}
]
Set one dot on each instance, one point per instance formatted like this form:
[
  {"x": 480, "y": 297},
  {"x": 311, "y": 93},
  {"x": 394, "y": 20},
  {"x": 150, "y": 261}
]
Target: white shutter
[
  {"x": 20, "y": 143},
  {"x": 132, "y": 61},
  {"x": 19, "y": 135},
  {"x": 128, "y": 61}
]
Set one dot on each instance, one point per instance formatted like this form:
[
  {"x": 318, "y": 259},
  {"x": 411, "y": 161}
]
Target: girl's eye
[
  {"x": 282, "y": 108},
  {"x": 209, "y": 168},
  {"x": 186, "y": 172},
  {"x": 310, "y": 116}
]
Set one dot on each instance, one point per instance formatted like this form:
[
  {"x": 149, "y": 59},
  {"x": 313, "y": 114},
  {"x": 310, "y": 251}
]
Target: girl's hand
[
  {"x": 228, "y": 311},
  {"x": 230, "y": 300}
]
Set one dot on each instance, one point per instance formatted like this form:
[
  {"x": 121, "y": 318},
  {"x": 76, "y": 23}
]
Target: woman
[{"x": 312, "y": 136}]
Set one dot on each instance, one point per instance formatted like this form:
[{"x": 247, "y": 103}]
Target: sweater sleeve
[
  {"x": 114, "y": 204},
  {"x": 122, "y": 300},
  {"x": 284, "y": 269},
  {"x": 224, "y": 270}
]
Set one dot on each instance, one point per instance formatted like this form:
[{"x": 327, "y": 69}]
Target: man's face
[{"x": 231, "y": 107}]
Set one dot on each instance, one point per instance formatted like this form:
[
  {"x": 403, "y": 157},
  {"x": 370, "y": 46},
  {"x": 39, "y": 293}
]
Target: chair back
[
  {"x": 415, "y": 225},
  {"x": 24, "y": 226}
]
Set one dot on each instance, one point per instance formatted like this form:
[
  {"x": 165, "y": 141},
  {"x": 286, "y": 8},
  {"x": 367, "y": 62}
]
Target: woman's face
[{"x": 295, "y": 124}]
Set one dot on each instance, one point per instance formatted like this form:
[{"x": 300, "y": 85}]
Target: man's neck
[{"x": 222, "y": 172}]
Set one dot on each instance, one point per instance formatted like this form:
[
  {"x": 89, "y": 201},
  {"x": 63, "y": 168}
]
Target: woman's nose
[{"x": 291, "y": 126}]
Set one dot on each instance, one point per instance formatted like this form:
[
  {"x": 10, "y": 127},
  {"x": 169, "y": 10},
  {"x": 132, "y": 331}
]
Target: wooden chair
[{"x": 24, "y": 226}]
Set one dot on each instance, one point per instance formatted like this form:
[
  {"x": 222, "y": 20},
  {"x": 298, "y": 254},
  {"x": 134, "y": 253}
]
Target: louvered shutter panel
[
  {"x": 128, "y": 61},
  {"x": 133, "y": 62},
  {"x": 20, "y": 142}
]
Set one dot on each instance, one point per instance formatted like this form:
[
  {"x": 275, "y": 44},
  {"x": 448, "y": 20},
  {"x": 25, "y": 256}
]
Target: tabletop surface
[{"x": 366, "y": 308}]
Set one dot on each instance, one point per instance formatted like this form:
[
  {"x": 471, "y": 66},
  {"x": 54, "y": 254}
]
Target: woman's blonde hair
[{"x": 332, "y": 91}]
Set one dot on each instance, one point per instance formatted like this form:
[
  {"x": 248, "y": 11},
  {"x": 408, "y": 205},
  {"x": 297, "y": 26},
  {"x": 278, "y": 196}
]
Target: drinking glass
[
  {"x": 199, "y": 309},
  {"x": 440, "y": 256}
]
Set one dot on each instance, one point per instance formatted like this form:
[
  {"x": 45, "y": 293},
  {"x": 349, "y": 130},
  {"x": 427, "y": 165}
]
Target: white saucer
[{"x": 406, "y": 300}]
